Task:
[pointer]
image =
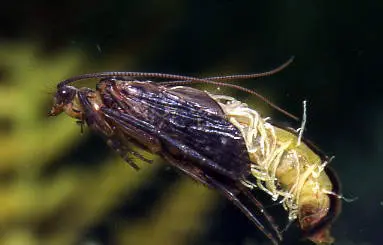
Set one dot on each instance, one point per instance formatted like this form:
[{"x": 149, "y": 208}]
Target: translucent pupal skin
[
  {"x": 302, "y": 172},
  {"x": 290, "y": 171}
]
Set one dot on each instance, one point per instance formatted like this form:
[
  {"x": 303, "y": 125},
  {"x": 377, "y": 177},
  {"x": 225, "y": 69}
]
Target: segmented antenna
[{"x": 183, "y": 80}]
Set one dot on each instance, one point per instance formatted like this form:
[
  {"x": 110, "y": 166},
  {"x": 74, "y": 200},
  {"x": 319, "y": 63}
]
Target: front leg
[{"x": 127, "y": 121}]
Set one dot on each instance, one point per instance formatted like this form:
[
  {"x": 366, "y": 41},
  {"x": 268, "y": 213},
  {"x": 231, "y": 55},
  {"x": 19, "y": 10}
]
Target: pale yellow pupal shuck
[
  {"x": 284, "y": 167},
  {"x": 302, "y": 163}
]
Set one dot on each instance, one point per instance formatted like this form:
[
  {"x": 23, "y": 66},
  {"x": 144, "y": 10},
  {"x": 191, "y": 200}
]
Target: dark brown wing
[
  {"x": 194, "y": 137},
  {"x": 186, "y": 121}
]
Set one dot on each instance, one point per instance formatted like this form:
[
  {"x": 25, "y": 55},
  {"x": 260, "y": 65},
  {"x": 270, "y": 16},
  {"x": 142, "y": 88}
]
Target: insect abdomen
[{"x": 284, "y": 168}]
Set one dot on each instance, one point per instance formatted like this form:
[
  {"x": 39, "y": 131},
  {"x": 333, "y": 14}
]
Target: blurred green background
[{"x": 60, "y": 187}]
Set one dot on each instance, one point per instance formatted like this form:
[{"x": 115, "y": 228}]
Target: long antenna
[
  {"x": 240, "y": 76},
  {"x": 115, "y": 74},
  {"x": 218, "y": 81},
  {"x": 240, "y": 88},
  {"x": 254, "y": 75},
  {"x": 182, "y": 80}
]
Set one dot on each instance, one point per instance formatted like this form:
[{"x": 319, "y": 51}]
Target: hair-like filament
[{"x": 280, "y": 167}]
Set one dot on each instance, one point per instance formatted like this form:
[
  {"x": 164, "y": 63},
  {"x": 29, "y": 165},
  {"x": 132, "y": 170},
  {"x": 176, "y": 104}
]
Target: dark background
[{"x": 338, "y": 61}]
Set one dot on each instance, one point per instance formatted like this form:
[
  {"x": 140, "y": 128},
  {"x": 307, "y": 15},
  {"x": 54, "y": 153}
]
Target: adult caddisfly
[{"x": 215, "y": 139}]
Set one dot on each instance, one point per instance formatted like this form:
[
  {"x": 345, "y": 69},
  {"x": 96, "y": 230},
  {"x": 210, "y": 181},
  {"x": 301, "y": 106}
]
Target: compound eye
[{"x": 65, "y": 95}]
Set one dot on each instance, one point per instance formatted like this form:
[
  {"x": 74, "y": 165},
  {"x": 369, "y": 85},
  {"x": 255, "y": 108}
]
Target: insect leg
[
  {"x": 127, "y": 121},
  {"x": 230, "y": 192},
  {"x": 125, "y": 151},
  {"x": 141, "y": 157},
  {"x": 261, "y": 208},
  {"x": 190, "y": 170},
  {"x": 96, "y": 121},
  {"x": 122, "y": 151},
  {"x": 93, "y": 117}
]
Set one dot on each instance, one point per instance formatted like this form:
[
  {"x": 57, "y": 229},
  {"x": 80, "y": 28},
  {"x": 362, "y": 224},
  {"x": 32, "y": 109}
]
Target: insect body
[{"x": 215, "y": 139}]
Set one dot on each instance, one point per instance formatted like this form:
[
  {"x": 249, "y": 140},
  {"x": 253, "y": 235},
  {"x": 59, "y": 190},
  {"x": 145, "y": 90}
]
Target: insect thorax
[{"x": 289, "y": 171}]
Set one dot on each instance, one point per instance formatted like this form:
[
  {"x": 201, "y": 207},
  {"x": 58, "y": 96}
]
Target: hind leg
[{"x": 231, "y": 192}]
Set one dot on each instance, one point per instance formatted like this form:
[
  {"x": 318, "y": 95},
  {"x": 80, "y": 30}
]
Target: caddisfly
[{"x": 215, "y": 139}]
